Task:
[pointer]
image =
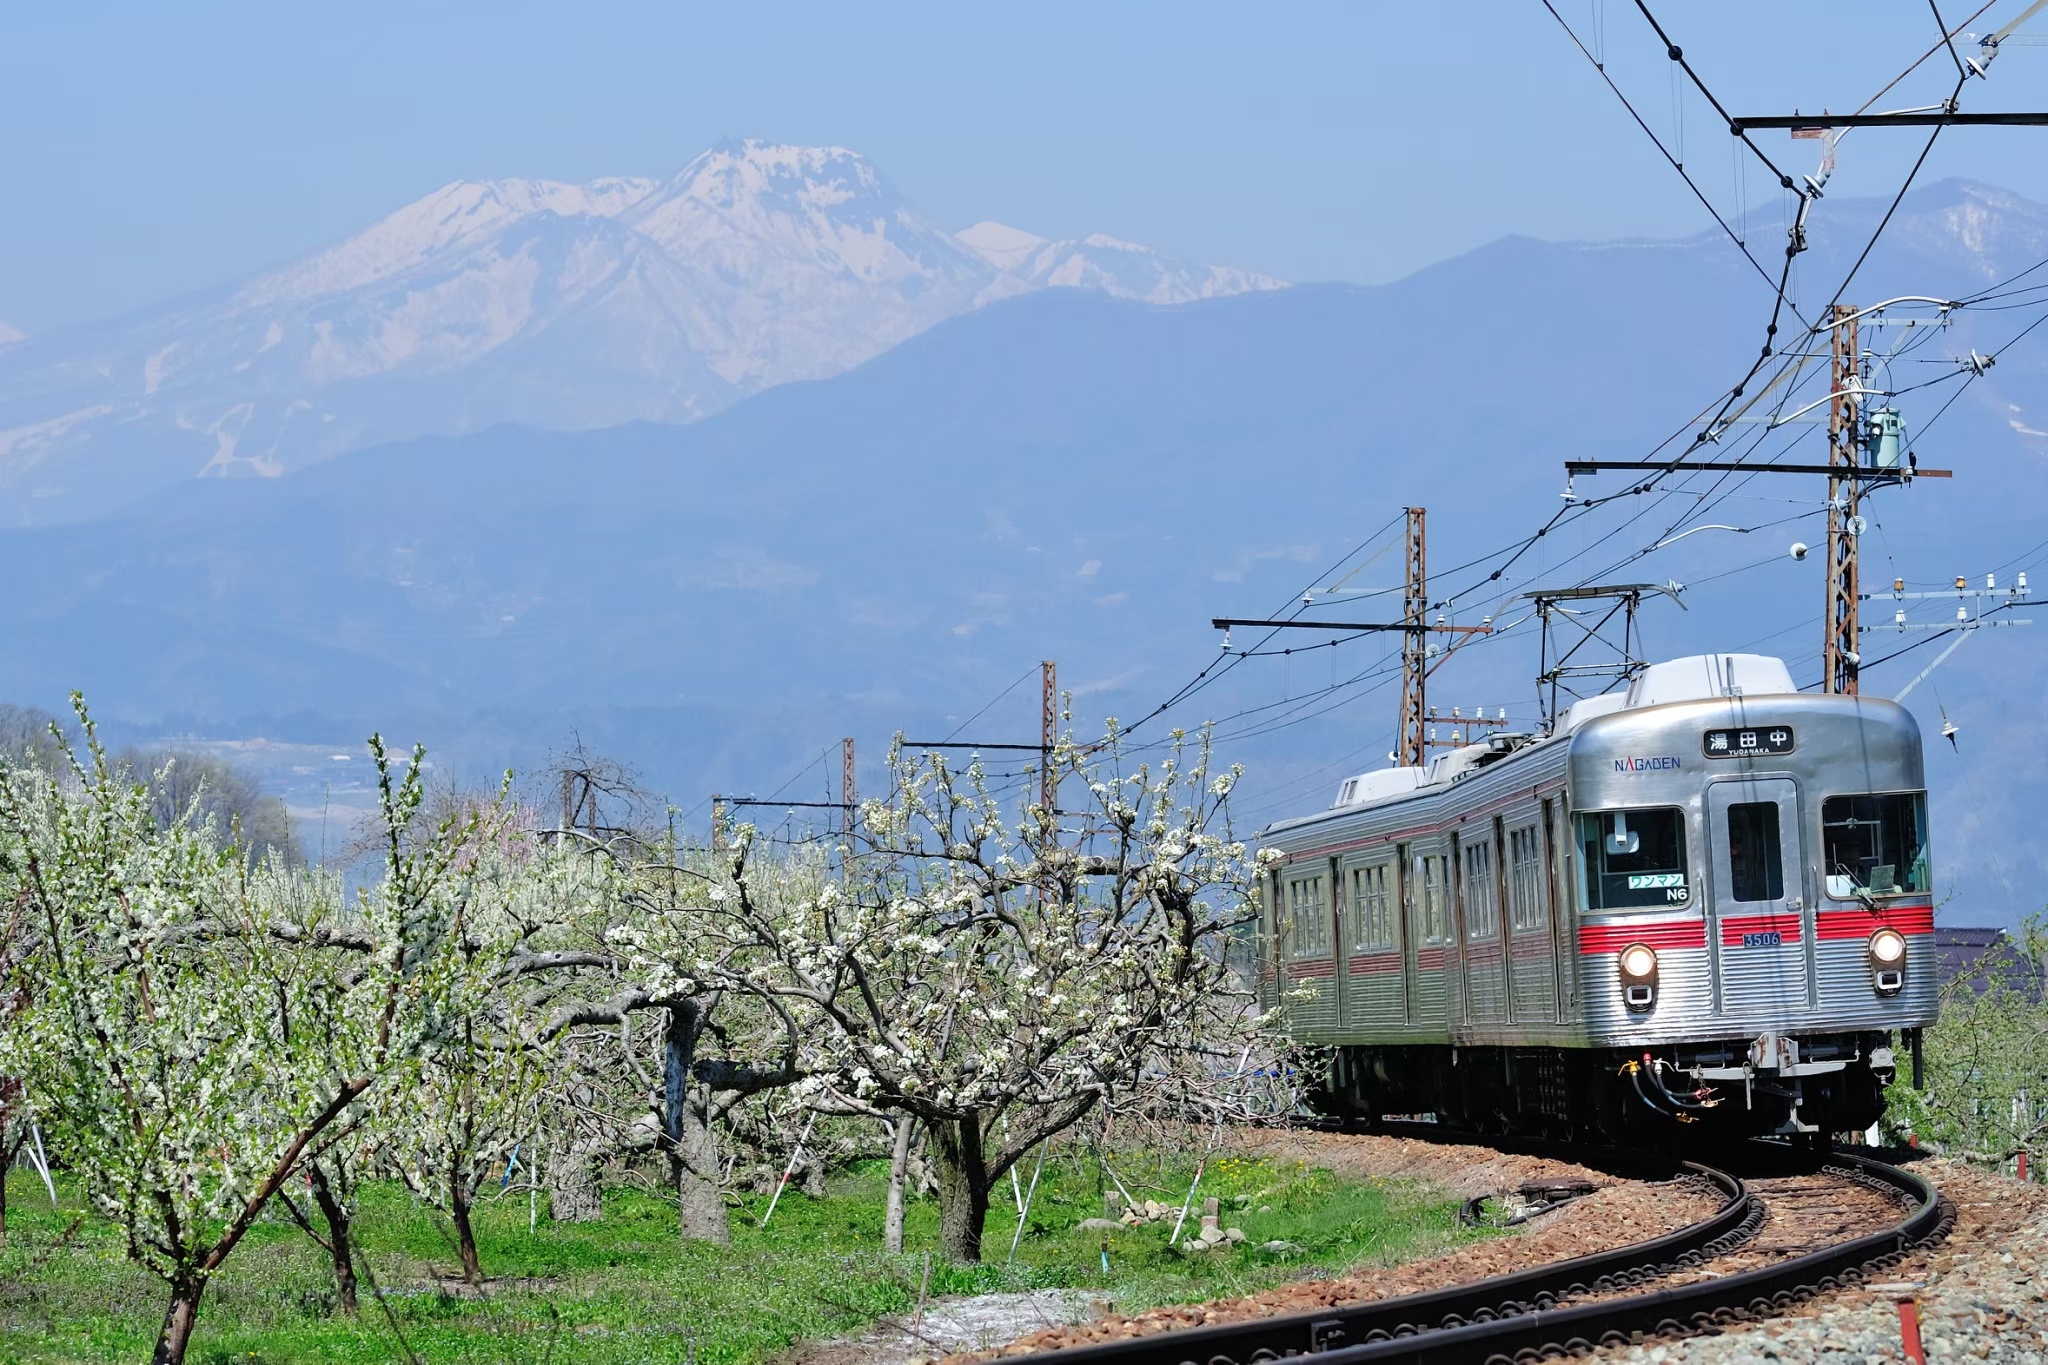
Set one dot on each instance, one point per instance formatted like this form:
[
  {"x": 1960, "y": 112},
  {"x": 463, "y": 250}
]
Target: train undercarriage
[{"x": 1803, "y": 1086}]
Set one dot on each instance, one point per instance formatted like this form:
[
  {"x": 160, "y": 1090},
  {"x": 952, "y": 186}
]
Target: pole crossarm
[
  {"x": 963, "y": 744},
  {"x": 1867, "y": 473},
  {"x": 1226, "y": 622},
  {"x": 1909, "y": 118}
]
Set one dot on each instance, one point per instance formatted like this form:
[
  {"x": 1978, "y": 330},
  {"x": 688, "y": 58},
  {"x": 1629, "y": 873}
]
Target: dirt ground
[{"x": 1620, "y": 1211}]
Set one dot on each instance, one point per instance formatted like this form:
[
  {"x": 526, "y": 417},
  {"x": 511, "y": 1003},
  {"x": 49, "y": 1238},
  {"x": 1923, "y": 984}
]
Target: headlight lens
[
  {"x": 1887, "y": 947},
  {"x": 1638, "y": 962}
]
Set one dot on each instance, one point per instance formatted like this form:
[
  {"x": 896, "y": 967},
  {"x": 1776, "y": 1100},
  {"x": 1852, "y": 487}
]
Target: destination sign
[{"x": 1763, "y": 741}]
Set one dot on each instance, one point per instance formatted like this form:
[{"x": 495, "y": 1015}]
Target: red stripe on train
[
  {"x": 1660, "y": 934},
  {"x": 1907, "y": 919},
  {"x": 1299, "y": 970},
  {"x": 1429, "y": 957},
  {"x": 1375, "y": 964}
]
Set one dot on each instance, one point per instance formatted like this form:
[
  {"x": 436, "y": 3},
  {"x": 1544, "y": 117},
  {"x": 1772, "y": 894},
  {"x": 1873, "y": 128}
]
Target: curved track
[{"x": 1720, "y": 1270}]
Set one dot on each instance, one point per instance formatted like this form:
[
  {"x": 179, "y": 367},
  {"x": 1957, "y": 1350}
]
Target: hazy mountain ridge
[
  {"x": 1069, "y": 475},
  {"x": 568, "y": 306}
]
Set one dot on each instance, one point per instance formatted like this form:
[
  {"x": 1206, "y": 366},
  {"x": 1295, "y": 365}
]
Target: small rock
[
  {"x": 1279, "y": 1248},
  {"x": 1234, "y": 1234},
  {"x": 1265, "y": 1208},
  {"x": 1099, "y": 1225},
  {"x": 1211, "y": 1234}
]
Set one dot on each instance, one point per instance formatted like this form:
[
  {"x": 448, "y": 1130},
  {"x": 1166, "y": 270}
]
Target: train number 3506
[{"x": 1773, "y": 939}]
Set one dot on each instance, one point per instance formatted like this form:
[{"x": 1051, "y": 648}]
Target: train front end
[{"x": 1756, "y": 909}]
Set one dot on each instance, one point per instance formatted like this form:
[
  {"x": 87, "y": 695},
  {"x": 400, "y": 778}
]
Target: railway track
[{"x": 1775, "y": 1240}]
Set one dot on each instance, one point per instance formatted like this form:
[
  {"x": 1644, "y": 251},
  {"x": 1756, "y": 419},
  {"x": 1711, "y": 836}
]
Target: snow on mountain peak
[
  {"x": 545, "y": 302},
  {"x": 454, "y": 214}
]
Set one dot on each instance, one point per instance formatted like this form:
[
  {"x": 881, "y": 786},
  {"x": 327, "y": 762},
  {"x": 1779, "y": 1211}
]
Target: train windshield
[
  {"x": 1634, "y": 858},
  {"x": 1875, "y": 845}
]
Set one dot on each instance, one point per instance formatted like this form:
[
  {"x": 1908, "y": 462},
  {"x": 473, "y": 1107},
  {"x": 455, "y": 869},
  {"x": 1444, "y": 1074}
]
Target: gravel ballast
[{"x": 1982, "y": 1294}]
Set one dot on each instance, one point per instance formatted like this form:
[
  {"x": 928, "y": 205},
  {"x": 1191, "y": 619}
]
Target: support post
[
  {"x": 1839, "y": 655},
  {"x": 846, "y": 797},
  {"x": 1048, "y": 736},
  {"x": 1414, "y": 749}
]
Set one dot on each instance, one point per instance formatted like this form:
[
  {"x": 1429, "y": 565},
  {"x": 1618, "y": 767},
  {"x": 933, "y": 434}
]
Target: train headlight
[
  {"x": 1887, "y": 951},
  {"x": 1638, "y": 964}
]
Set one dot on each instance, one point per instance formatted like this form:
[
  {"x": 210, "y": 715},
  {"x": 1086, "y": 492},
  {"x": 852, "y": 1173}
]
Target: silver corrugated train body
[{"x": 1704, "y": 900}]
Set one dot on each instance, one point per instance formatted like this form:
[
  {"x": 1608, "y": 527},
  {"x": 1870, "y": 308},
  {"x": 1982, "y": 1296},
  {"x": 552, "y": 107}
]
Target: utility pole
[
  {"x": 1414, "y": 747},
  {"x": 846, "y": 788},
  {"x": 1839, "y": 654},
  {"x": 1048, "y": 736},
  {"x": 1849, "y": 477}
]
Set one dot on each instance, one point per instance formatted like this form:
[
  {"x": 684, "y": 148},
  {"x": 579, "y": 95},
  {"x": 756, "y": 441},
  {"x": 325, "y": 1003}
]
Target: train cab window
[
  {"x": 1756, "y": 860},
  {"x": 1633, "y": 859},
  {"x": 1308, "y": 918},
  {"x": 1875, "y": 845}
]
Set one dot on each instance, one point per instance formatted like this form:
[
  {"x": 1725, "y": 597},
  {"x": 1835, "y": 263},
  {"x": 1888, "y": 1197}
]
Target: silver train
[{"x": 1704, "y": 901}]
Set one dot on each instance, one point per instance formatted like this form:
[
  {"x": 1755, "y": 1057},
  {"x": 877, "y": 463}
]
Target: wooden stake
[{"x": 795, "y": 1153}]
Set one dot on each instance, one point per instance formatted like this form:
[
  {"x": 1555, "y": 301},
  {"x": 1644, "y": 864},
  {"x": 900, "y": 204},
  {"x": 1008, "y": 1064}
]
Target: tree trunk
[
  {"x": 338, "y": 1244},
  {"x": 574, "y": 1194},
  {"x": 686, "y": 1125},
  {"x": 179, "y": 1320},
  {"x": 465, "y": 1235},
  {"x": 963, "y": 1185},
  {"x": 899, "y": 1165}
]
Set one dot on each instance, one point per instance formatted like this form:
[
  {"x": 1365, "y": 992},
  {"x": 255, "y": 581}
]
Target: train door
[
  {"x": 1457, "y": 1007},
  {"x": 1429, "y": 937},
  {"x": 1404, "y": 875},
  {"x": 1340, "y": 948},
  {"x": 1758, "y": 919}
]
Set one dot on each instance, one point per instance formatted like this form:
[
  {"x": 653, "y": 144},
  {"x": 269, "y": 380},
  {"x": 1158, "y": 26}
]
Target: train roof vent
[
  {"x": 1579, "y": 712},
  {"x": 1702, "y": 676},
  {"x": 1381, "y": 782},
  {"x": 1458, "y": 762}
]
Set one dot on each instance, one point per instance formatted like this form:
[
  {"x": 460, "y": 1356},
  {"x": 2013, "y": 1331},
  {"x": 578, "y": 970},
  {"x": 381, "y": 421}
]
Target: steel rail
[
  {"x": 1516, "y": 1317},
  {"x": 1735, "y": 1222}
]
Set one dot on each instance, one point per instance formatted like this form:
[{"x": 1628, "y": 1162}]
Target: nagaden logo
[{"x": 1652, "y": 763}]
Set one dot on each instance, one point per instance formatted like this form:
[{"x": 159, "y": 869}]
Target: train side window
[
  {"x": 1372, "y": 909},
  {"x": 1756, "y": 862},
  {"x": 1482, "y": 901},
  {"x": 1875, "y": 845},
  {"x": 1634, "y": 858},
  {"x": 1308, "y": 918},
  {"x": 1525, "y": 878},
  {"x": 1436, "y": 919}
]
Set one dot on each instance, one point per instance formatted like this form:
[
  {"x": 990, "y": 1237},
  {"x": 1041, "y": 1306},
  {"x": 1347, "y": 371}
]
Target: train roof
[{"x": 1694, "y": 677}]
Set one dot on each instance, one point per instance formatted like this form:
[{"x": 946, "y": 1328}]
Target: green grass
[{"x": 628, "y": 1290}]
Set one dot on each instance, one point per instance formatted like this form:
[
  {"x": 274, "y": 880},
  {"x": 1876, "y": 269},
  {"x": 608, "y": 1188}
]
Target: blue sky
[{"x": 151, "y": 152}]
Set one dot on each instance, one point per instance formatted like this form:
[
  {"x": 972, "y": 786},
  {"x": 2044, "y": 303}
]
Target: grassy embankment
[{"x": 627, "y": 1290}]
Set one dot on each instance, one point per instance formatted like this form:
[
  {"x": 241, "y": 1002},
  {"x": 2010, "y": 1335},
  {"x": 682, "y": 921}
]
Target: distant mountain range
[
  {"x": 530, "y": 301},
  {"x": 1086, "y": 476}
]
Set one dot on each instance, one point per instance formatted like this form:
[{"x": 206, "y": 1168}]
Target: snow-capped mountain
[{"x": 533, "y": 301}]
